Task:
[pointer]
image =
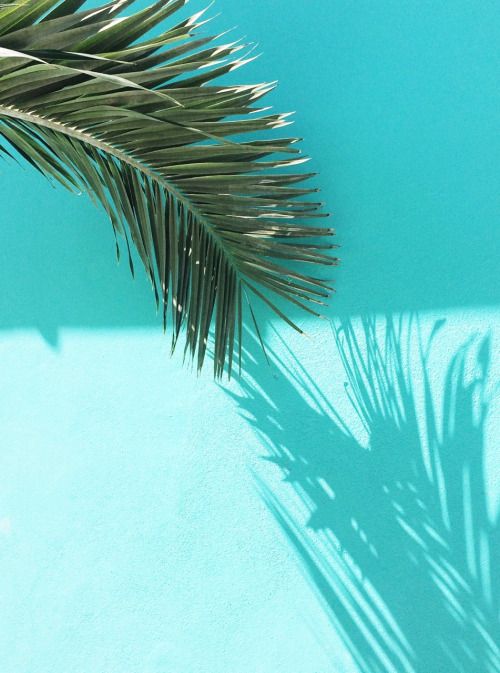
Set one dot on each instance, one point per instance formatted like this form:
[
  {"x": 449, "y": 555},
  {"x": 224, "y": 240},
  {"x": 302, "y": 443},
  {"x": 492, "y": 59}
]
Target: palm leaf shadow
[{"x": 396, "y": 541}]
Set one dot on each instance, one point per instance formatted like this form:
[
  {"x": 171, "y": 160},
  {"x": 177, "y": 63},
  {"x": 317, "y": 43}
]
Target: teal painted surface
[{"x": 142, "y": 530}]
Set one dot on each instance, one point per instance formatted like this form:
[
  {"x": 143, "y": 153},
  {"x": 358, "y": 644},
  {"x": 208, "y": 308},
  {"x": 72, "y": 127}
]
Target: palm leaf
[{"x": 99, "y": 103}]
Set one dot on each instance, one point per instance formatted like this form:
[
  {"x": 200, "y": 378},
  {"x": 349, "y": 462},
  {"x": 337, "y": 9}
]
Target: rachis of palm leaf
[{"x": 97, "y": 101}]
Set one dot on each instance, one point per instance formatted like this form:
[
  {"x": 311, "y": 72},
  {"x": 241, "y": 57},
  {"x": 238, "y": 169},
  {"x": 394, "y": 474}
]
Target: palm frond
[{"x": 96, "y": 101}]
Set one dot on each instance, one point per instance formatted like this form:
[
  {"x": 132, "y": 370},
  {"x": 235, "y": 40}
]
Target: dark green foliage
[{"x": 91, "y": 100}]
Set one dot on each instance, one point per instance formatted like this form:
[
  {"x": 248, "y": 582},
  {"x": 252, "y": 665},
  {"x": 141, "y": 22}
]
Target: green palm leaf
[{"x": 96, "y": 101}]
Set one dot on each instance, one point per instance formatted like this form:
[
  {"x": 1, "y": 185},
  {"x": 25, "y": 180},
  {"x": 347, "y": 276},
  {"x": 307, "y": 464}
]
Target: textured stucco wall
[{"x": 142, "y": 529}]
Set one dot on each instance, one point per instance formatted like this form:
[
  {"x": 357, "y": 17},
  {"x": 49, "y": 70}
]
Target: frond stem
[{"x": 60, "y": 127}]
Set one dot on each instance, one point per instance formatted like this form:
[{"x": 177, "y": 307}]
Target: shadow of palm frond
[{"x": 394, "y": 534}]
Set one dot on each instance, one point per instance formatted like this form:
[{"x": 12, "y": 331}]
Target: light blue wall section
[{"x": 142, "y": 528}]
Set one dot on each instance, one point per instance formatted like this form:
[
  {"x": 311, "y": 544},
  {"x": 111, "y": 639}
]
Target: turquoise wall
[{"x": 336, "y": 512}]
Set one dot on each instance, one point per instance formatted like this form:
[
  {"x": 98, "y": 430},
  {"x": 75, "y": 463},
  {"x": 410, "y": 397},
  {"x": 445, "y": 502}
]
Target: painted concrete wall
[{"x": 333, "y": 513}]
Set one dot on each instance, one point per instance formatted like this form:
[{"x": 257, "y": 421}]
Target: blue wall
[{"x": 335, "y": 513}]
